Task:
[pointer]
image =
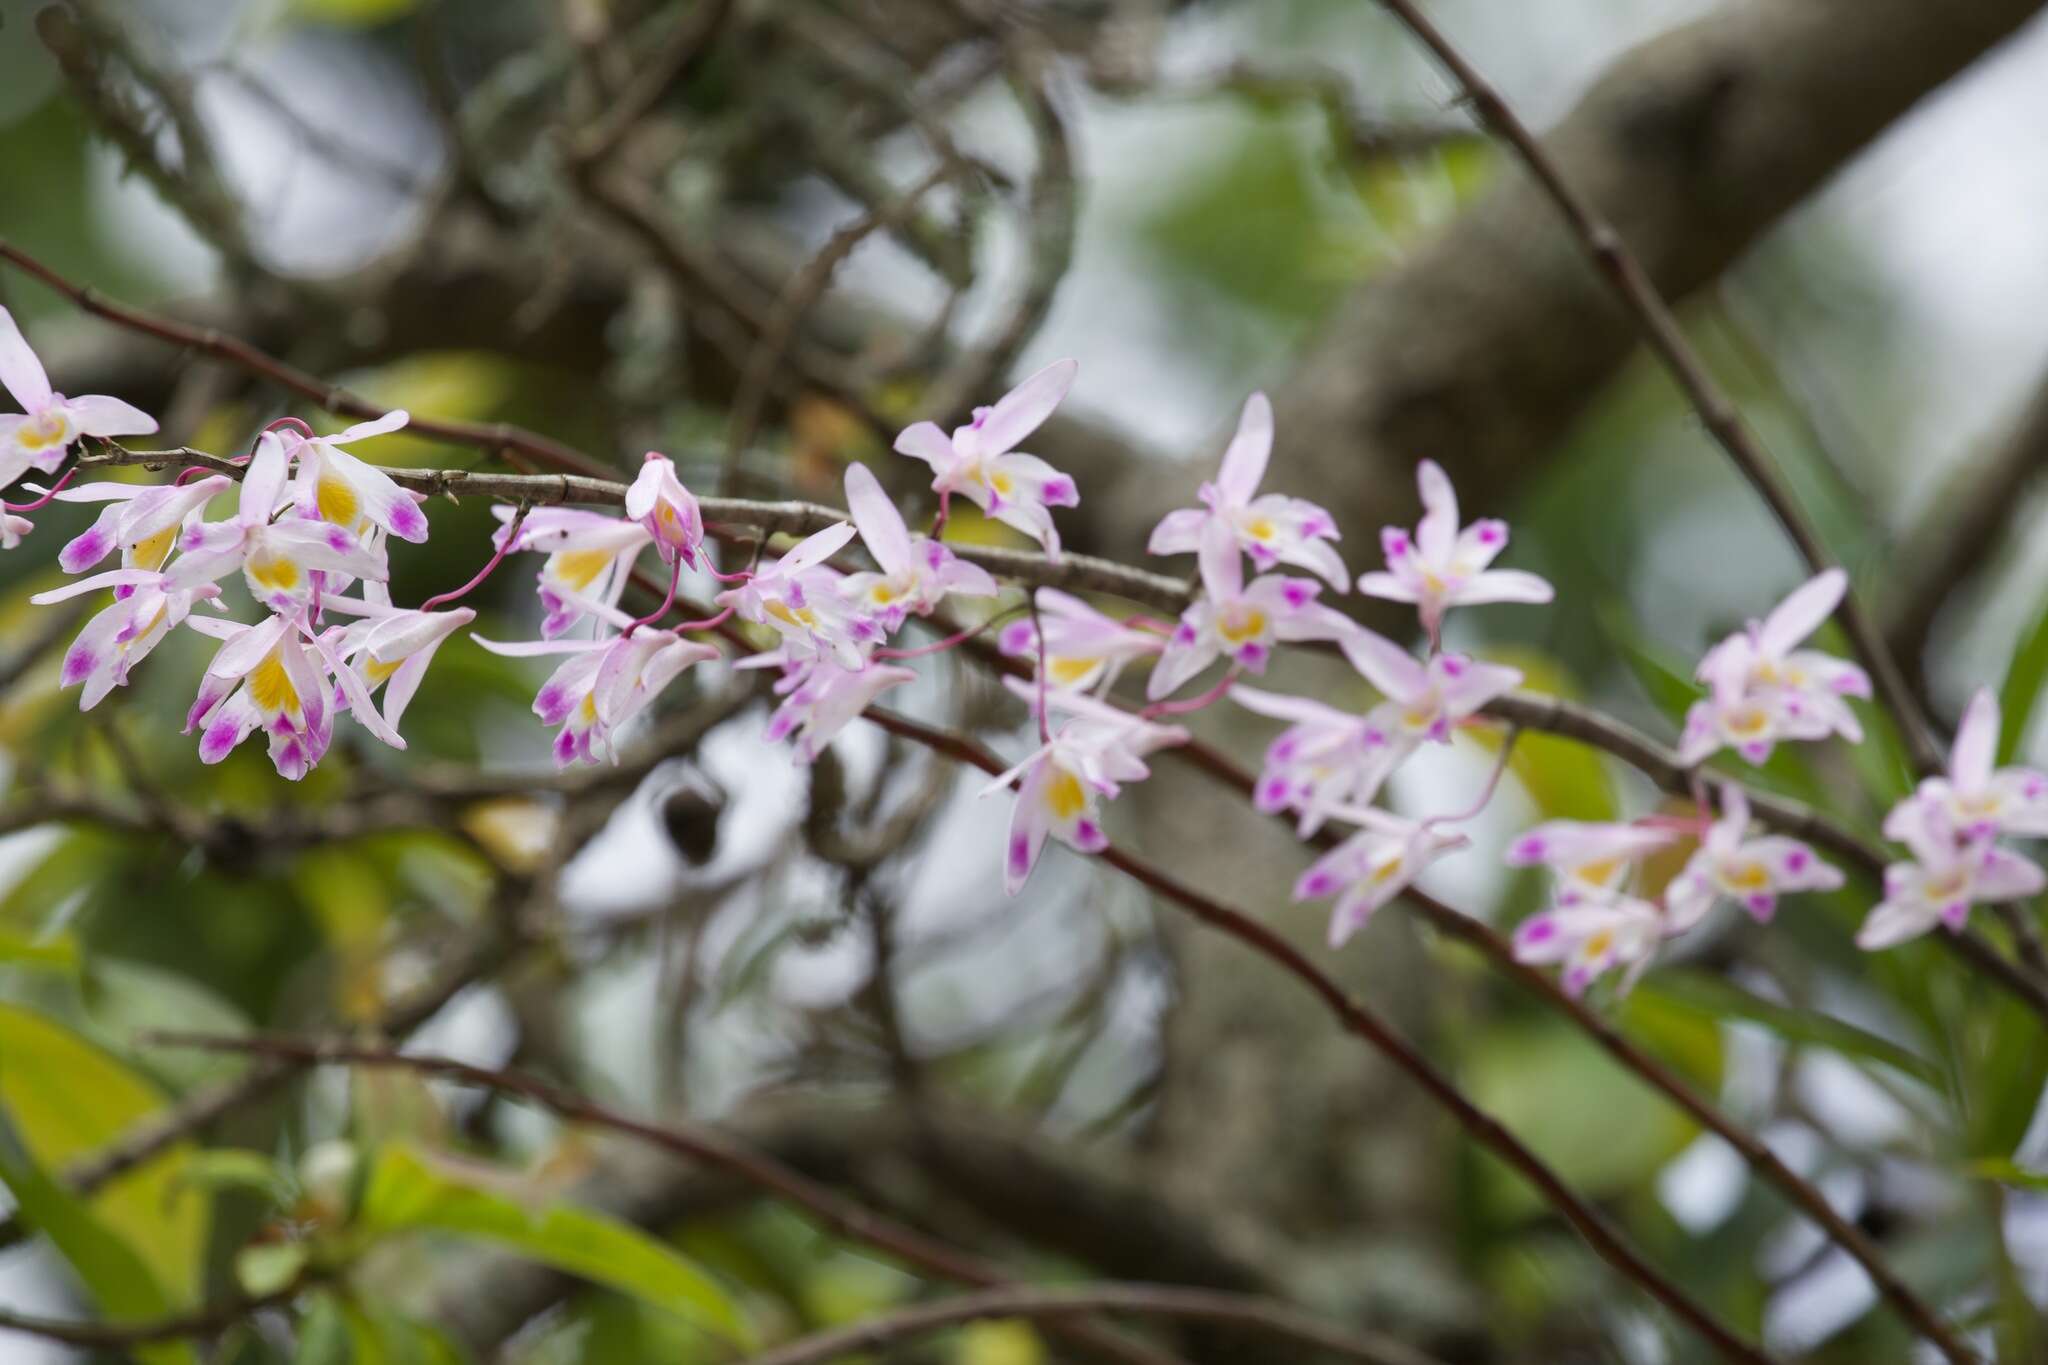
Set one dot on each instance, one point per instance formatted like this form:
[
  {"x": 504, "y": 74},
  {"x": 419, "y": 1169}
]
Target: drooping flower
[
  {"x": 1083, "y": 647},
  {"x": 336, "y": 487},
  {"x": 1440, "y": 566},
  {"x": 981, "y": 462},
  {"x": 1326, "y": 759},
  {"x": 1763, "y": 689},
  {"x": 666, "y": 510},
  {"x": 38, "y": 436},
  {"x": 121, "y": 635},
  {"x": 1239, "y": 620},
  {"x": 261, "y": 678},
  {"x": 1273, "y": 529},
  {"x": 1424, "y": 699},
  {"x": 1591, "y": 937},
  {"x": 392, "y": 649},
  {"x": 916, "y": 571},
  {"x": 589, "y": 559},
  {"x": 1062, "y": 784},
  {"x": 1947, "y": 875},
  {"x": 1751, "y": 872},
  {"x": 820, "y": 698},
  {"x": 1977, "y": 801},
  {"x": 800, "y": 598},
  {"x": 277, "y": 558},
  {"x": 604, "y": 683},
  {"x": 1373, "y": 866},
  {"x": 141, "y": 520},
  {"x": 1590, "y": 859}
]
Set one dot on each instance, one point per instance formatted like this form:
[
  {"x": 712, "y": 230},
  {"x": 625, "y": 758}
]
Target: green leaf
[
  {"x": 119, "y": 1280},
  {"x": 268, "y": 1267},
  {"x": 1720, "y": 998},
  {"x": 377, "y": 1337},
  {"x": 2025, "y": 677},
  {"x": 408, "y": 1192},
  {"x": 324, "y": 1335},
  {"x": 58, "y": 953},
  {"x": 2007, "y": 1172},
  {"x": 235, "y": 1168},
  {"x": 69, "y": 1098}
]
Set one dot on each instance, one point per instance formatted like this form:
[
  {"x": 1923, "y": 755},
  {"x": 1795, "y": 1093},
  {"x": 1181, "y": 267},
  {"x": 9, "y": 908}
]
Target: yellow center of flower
[
  {"x": 337, "y": 501},
  {"x": 1386, "y": 871},
  {"x": 376, "y": 670},
  {"x": 1431, "y": 581},
  {"x": 587, "y": 713},
  {"x": 1419, "y": 717},
  {"x": 1064, "y": 796},
  {"x": 882, "y": 594},
  {"x": 1748, "y": 876},
  {"x": 1002, "y": 483},
  {"x": 277, "y": 572},
  {"x": 1261, "y": 529},
  {"x": 1601, "y": 873},
  {"x": 1241, "y": 623},
  {"x": 41, "y": 433},
  {"x": 1069, "y": 671},
  {"x": 577, "y": 568},
  {"x": 270, "y": 687},
  {"x": 1750, "y": 720},
  {"x": 1983, "y": 803},
  {"x": 665, "y": 513},
  {"x": 1599, "y": 944},
  {"x": 151, "y": 551},
  {"x": 1948, "y": 885},
  {"x": 801, "y": 616}
]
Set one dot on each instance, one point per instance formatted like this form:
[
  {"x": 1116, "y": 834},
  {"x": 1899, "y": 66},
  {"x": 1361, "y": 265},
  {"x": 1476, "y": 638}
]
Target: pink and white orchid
[
  {"x": 1373, "y": 866},
  {"x": 1591, "y": 938},
  {"x": 277, "y": 558},
  {"x": 1242, "y": 621},
  {"x": 1978, "y": 801},
  {"x": 917, "y": 572},
  {"x": 666, "y": 510},
  {"x": 1440, "y": 566},
  {"x": 336, "y": 487},
  {"x": 392, "y": 648},
  {"x": 1752, "y": 872},
  {"x": 800, "y": 599},
  {"x": 1325, "y": 760},
  {"x": 261, "y": 678},
  {"x": 820, "y": 698},
  {"x": 1083, "y": 647},
  {"x": 981, "y": 462},
  {"x": 1590, "y": 859},
  {"x": 589, "y": 559},
  {"x": 121, "y": 635},
  {"x": 1763, "y": 689},
  {"x": 1947, "y": 875},
  {"x": 1273, "y": 529},
  {"x": 38, "y": 436},
  {"x": 141, "y": 520},
  {"x": 12, "y": 529},
  {"x": 1424, "y": 698}
]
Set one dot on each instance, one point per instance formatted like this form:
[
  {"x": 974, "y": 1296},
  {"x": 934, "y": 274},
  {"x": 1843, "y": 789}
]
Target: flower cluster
[{"x": 1762, "y": 688}]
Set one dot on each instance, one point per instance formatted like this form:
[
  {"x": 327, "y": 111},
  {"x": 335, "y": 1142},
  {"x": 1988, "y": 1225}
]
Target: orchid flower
[
  {"x": 1373, "y": 866},
  {"x": 336, "y": 487},
  {"x": 1763, "y": 689},
  {"x": 1591, "y": 937},
  {"x": 392, "y": 648},
  {"x": 120, "y": 636},
  {"x": 800, "y": 599},
  {"x": 48, "y": 423},
  {"x": 1441, "y": 567},
  {"x": 1424, "y": 698},
  {"x": 1946, "y": 876},
  {"x": 261, "y": 678},
  {"x": 1590, "y": 859},
  {"x": 277, "y": 558},
  {"x": 142, "y": 520},
  {"x": 1752, "y": 872},
  {"x": 12, "y": 529},
  {"x": 1324, "y": 760},
  {"x": 1061, "y": 785},
  {"x": 1978, "y": 801},
  {"x": 666, "y": 510},
  {"x": 1273, "y": 529},
  {"x": 589, "y": 559},
  {"x": 820, "y": 698},
  {"x": 604, "y": 684},
  {"x": 917, "y": 571},
  {"x": 1083, "y": 647},
  {"x": 1239, "y": 620},
  {"x": 981, "y": 462}
]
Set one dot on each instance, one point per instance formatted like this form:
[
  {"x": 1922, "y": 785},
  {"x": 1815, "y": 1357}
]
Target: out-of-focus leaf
[
  {"x": 125, "y": 1286},
  {"x": 234, "y": 1168},
  {"x": 408, "y": 1192},
  {"x": 68, "y": 1098},
  {"x": 2025, "y": 676},
  {"x": 999, "y": 1343},
  {"x": 324, "y": 1335},
  {"x": 123, "y": 999},
  {"x": 57, "y": 953},
  {"x": 352, "y": 13},
  {"x": 1565, "y": 779},
  {"x": 377, "y": 1337},
  {"x": 2005, "y": 1069},
  {"x": 2005, "y": 1171},
  {"x": 1688, "y": 1038},
  {"x": 269, "y": 1267},
  {"x": 1719, "y": 998}
]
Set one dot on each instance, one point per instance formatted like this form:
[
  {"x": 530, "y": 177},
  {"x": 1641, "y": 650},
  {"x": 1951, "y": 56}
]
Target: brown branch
[
  {"x": 124, "y": 1337},
  {"x": 1152, "y": 1300},
  {"x": 1356, "y": 1018}
]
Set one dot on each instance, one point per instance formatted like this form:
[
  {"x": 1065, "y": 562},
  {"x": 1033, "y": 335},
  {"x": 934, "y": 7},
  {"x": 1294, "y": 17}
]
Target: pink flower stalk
[
  {"x": 801, "y": 599},
  {"x": 1241, "y": 621},
  {"x": 277, "y": 558},
  {"x": 667, "y": 511},
  {"x": 141, "y": 520},
  {"x": 39, "y": 436},
  {"x": 335, "y": 487},
  {"x": 1592, "y": 937},
  {"x": 1762, "y": 689},
  {"x": 1273, "y": 529},
  {"x": 1373, "y": 866},
  {"x": 1751, "y": 872},
  {"x": 1440, "y": 567},
  {"x": 1949, "y": 873},
  {"x": 980, "y": 461},
  {"x": 1977, "y": 801},
  {"x": 1083, "y": 648},
  {"x": 917, "y": 572},
  {"x": 589, "y": 559}
]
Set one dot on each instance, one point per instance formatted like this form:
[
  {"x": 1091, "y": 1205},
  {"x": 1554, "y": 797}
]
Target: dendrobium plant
[
  {"x": 1762, "y": 688},
  {"x": 917, "y": 572},
  {"x": 41, "y": 434},
  {"x": 1083, "y": 648},
  {"x": 1238, "y": 620},
  {"x": 1751, "y": 872},
  {"x": 666, "y": 510},
  {"x": 981, "y": 462},
  {"x": 589, "y": 559},
  {"x": 1440, "y": 566},
  {"x": 801, "y": 599},
  {"x": 343, "y": 491},
  {"x": 1592, "y": 937},
  {"x": 1273, "y": 529},
  {"x": 1373, "y": 866},
  {"x": 1948, "y": 874},
  {"x": 1977, "y": 801}
]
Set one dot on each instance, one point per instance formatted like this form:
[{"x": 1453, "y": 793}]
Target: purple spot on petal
[
  {"x": 1394, "y": 543},
  {"x": 338, "y": 540},
  {"x": 1184, "y": 634},
  {"x": 1254, "y": 656},
  {"x": 1020, "y": 855},
  {"x": 1297, "y": 594},
  {"x": 1528, "y": 849},
  {"x": 1090, "y": 836},
  {"x": 1283, "y": 749},
  {"x": 1539, "y": 930},
  {"x": 1453, "y": 666},
  {"x": 1491, "y": 533},
  {"x": 1316, "y": 884},
  {"x": 78, "y": 664},
  {"x": 1797, "y": 859}
]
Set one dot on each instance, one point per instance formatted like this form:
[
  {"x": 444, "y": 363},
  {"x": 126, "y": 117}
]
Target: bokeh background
[{"x": 1071, "y": 1080}]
